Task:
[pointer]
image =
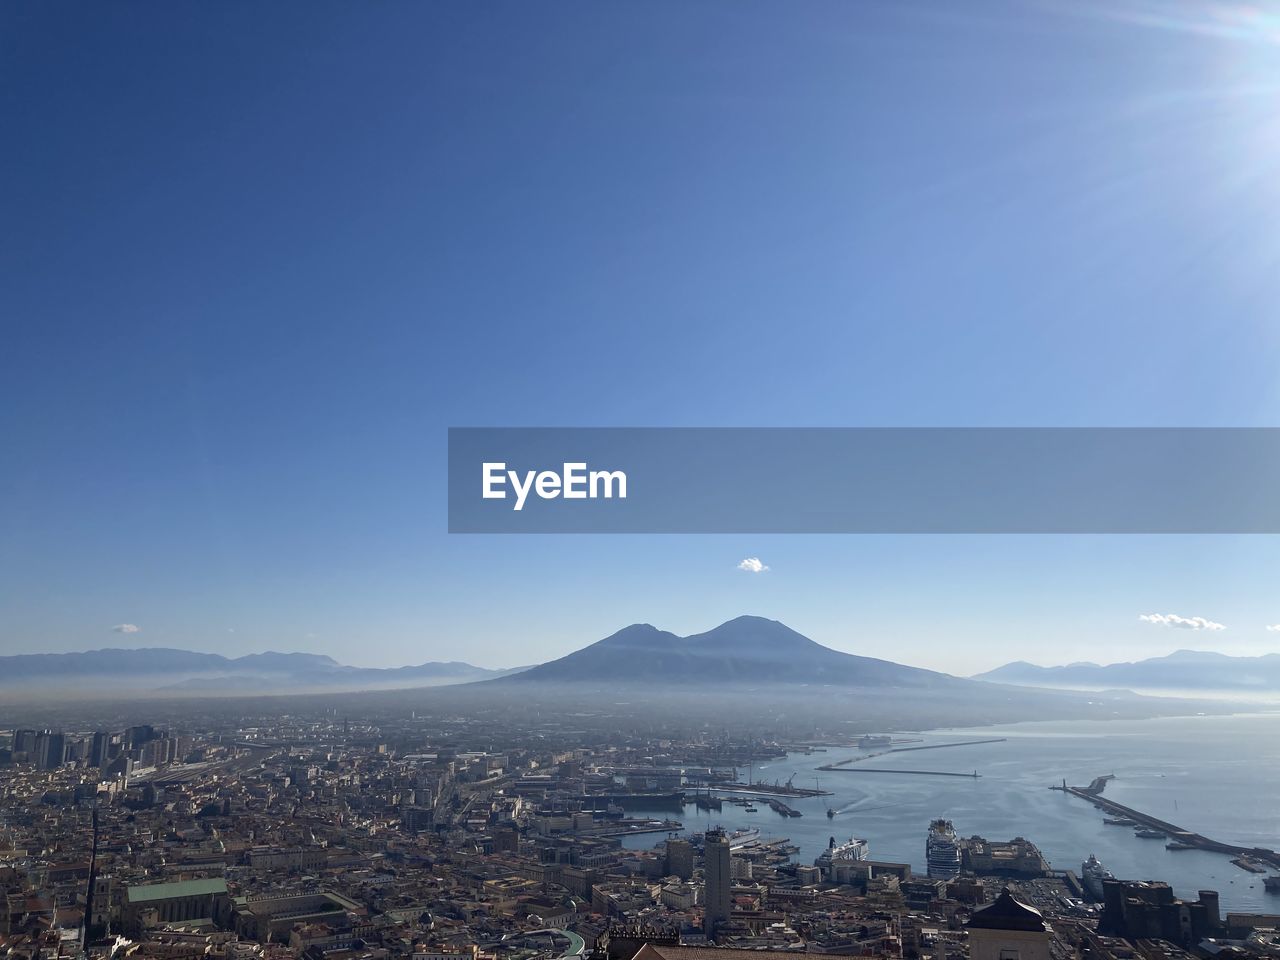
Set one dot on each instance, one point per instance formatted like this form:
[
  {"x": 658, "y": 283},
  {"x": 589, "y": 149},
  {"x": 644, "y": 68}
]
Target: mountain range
[
  {"x": 746, "y": 652},
  {"x": 1189, "y": 670},
  {"x": 160, "y": 669}
]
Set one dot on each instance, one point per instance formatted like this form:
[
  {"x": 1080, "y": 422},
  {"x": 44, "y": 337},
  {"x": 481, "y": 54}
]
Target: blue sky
[{"x": 258, "y": 258}]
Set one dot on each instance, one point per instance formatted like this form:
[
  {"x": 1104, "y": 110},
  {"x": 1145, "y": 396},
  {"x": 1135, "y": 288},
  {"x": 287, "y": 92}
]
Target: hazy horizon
[{"x": 448, "y": 653}]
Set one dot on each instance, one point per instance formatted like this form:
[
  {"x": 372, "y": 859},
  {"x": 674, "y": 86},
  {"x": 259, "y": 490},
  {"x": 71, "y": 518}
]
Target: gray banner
[{"x": 863, "y": 480}]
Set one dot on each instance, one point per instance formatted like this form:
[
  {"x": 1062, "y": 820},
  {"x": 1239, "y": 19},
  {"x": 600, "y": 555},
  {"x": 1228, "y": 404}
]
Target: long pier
[
  {"x": 850, "y": 761},
  {"x": 770, "y": 790},
  {"x": 943, "y": 746},
  {"x": 920, "y": 773},
  {"x": 1093, "y": 793}
]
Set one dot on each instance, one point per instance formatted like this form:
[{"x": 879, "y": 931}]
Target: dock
[
  {"x": 780, "y": 807},
  {"x": 1093, "y": 794},
  {"x": 771, "y": 790}
]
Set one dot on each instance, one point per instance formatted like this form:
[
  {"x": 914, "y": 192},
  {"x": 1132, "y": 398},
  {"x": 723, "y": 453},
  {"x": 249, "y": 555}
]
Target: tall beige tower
[{"x": 717, "y": 881}]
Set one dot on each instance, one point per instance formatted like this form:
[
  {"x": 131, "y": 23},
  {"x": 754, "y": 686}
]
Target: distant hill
[
  {"x": 160, "y": 669},
  {"x": 1190, "y": 670},
  {"x": 746, "y": 650}
]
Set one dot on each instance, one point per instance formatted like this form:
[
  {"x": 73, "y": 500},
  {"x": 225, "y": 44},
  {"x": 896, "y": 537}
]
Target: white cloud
[
  {"x": 752, "y": 565},
  {"x": 126, "y": 628},
  {"x": 1274, "y": 627},
  {"x": 1183, "y": 623}
]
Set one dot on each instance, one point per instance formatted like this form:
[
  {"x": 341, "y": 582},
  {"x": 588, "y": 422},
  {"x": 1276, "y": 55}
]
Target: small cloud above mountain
[
  {"x": 127, "y": 628},
  {"x": 752, "y": 565},
  {"x": 1182, "y": 623}
]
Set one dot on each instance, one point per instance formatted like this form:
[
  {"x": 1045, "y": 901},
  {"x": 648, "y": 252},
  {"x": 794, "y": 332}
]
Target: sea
[{"x": 1214, "y": 775}]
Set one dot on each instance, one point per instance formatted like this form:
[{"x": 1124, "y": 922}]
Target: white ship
[
  {"x": 851, "y": 849},
  {"x": 942, "y": 850},
  {"x": 1092, "y": 873},
  {"x": 835, "y": 861}
]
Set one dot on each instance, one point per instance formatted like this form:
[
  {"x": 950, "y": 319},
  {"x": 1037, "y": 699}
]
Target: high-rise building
[
  {"x": 50, "y": 750},
  {"x": 680, "y": 859},
  {"x": 24, "y": 741},
  {"x": 98, "y": 750},
  {"x": 717, "y": 881}
]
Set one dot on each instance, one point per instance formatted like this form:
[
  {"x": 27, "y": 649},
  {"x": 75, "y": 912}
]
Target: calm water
[{"x": 1219, "y": 776}]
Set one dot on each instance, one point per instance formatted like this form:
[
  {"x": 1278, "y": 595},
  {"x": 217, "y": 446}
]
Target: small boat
[
  {"x": 1120, "y": 822},
  {"x": 1178, "y": 845},
  {"x": 1150, "y": 835},
  {"x": 749, "y": 808},
  {"x": 831, "y": 813}
]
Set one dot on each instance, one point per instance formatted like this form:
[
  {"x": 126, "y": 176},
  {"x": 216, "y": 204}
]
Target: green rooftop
[{"x": 182, "y": 888}]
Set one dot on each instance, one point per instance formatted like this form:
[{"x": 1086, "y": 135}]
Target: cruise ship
[
  {"x": 942, "y": 850},
  {"x": 839, "y": 855},
  {"x": 851, "y": 849},
  {"x": 1092, "y": 873}
]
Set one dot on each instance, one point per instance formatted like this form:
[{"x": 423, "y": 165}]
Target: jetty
[
  {"x": 944, "y": 746},
  {"x": 1093, "y": 794},
  {"x": 919, "y": 773},
  {"x": 781, "y": 808}
]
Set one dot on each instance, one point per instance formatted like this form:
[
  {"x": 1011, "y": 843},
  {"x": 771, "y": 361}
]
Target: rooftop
[
  {"x": 181, "y": 888},
  {"x": 1008, "y": 914}
]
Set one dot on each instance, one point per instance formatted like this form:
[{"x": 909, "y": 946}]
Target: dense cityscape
[{"x": 327, "y": 837}]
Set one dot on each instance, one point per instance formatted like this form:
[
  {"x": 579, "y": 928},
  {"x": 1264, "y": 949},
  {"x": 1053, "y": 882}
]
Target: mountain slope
[
  {"x": 1182, "y": 670},
  {"x": 746, "y": 650}
]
